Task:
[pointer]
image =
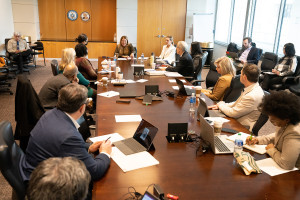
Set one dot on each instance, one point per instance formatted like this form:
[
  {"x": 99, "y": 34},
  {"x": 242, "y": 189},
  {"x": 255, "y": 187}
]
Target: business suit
[
  {"x": 244, "y": 109},
  {"x": 49, "y": 92},
  {"x": 253, "y": 56},
  {"x": 217, "y": 94},
  {"x": 184, "y": 66},
  {"x": 287, "y": 146},
  {"x": 55, "y": 135}
]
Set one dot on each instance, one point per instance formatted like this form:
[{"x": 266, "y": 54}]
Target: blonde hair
[
  {"x": 226, "y": 65},
  {"x": 68, "y": 57}
]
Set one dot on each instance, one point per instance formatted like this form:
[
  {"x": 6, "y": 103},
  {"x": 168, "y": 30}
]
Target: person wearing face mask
[
  {"x": 283, "y": 109},
  {"x": 168, "y": 51},
  {"x": 124, "y": 49}
]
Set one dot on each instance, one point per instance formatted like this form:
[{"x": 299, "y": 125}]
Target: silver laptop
[
  {"x": 219, "y": 144},
  {"x": 203, "y": 110},
  {"x": 141, "y": 141}
]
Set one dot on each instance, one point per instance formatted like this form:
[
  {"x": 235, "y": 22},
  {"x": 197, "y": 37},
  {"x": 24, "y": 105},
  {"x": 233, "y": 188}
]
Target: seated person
[
  {"x": 185, "y": 65},
  {"x": 59, "y": 178},
  {"x": 244, "y": 109},
  {"x": 83, "y": 64},
  {"x": 224, "y": 67},
  {"x": 286, "y": 67},
  {"x": 168, "y": 51},
  {"x": 283, "y": 109},
  {"x": 248, "y": 54},
  {"x": 56, "y": 135},
  {"x": 19, "y": 50},
  {"x": 49, "y": 92},
  {"x": 196, "y": 49},
  {"x": 82, "y": 39},
  {"x": 124, "y": 49}
]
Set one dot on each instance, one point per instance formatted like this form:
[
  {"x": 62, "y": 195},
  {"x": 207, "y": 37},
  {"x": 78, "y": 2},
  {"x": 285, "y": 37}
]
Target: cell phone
[
  {"x": 122, "y": 101},
  {"x": 147, "y": 99},
  {"x": 228, "y": 130}
]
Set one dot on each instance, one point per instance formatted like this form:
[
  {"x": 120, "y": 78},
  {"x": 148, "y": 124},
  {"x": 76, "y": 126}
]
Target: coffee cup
[
  {"x": 198, "y": 90},
  {"x": 104, "y": 81},
  {"x": 217, "y": 127}
]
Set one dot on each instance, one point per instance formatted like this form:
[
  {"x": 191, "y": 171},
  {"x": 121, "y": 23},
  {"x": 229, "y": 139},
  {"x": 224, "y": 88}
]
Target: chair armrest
[
  {"x": 288, "y": 80},
  {"x": 296, "y": 79},
  {"x": 196, "y": 81}
]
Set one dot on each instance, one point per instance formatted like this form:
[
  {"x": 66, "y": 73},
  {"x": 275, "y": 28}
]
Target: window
[
  {"x": 238, "y": 21},
  {"x": 265, "y": 23},
  {"x": 223, "y": 20},
  {"x": 290, "y": 26}
]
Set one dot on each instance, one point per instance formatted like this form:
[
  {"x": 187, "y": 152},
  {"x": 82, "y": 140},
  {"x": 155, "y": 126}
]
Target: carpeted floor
[{"x": 38, "y": 76}]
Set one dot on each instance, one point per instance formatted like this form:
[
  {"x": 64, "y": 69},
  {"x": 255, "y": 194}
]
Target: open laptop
[
  {"x": 219, "y": 144},
  {"x": 141, "y": 140},
  {"x": 203, "y": 110},
  {"x": 232, "y": 54},
  {"x": 148, "y": 196},
  {"x": 182, "y": 90}
]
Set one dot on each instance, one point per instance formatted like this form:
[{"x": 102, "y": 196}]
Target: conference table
[{"x": 180, "y": 171}]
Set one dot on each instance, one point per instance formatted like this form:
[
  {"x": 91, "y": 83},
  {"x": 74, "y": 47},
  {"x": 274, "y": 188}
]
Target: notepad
[
  {"x": 128, "y": 118},
  {"x": 261, "y": 149},
  {"x": 269, "y": 166},
  {"x": 173, "y": 74}
]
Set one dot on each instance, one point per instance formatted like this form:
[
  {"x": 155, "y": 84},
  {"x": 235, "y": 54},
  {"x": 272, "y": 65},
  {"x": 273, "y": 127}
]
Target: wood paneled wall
[{"x": 55, "y": 25}]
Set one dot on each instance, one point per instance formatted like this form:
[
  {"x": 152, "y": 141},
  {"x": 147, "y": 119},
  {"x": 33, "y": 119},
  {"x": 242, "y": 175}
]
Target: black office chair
[
  {"x": 10, "y": 156},
  {"x": 296, "y": 87},
  {"x": 198, "y": 62},
  {"x": 212, "y": 76},
  {"x": 262, "y": 119},
  {"x": 267, "y": 62},
  {"x": 4, "y": 77},
  {"x": 232, "y": 47},
  {"x": 234, "y": 91},
  {"x": 38, "y": 50},
  {"x": 54, "y": 67},
  {"x": 288, "y": 80}
]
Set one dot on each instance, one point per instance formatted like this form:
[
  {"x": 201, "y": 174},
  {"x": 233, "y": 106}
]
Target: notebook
[
  {"x": 203, "y": 110},
  {"x": 182, "y": 90},
  {"x": 219, "y": 144},
  {"x": 141, "y": 141}
]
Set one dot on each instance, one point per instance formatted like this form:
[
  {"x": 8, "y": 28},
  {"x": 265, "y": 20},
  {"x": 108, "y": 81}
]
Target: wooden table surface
[{"x": 180, "y": 171}]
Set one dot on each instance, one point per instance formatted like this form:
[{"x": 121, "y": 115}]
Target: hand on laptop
[
  {"x": 213, "y": 107},
  {"x": 106, "y": 147}
]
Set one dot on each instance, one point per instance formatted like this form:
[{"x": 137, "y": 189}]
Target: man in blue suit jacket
[{"x": 56, "y": 135}]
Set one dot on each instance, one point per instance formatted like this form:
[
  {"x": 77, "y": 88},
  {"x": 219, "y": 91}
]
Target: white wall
[
  {"x": 6, "y": 23},
  {"x": 127, "y": 20},
  {"x": 26, "y": 18}
]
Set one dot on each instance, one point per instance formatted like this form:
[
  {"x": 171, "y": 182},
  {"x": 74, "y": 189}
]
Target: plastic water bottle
[
  {"x": 115, "y": 58},
  {"x": 238, "y": 143},
  {"x": 142, "y": 57},
  {"x": 109, "y": 64},
  {"x": 192, "y": 103}
]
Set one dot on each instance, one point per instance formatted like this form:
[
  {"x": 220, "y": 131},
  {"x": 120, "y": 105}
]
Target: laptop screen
[
  {"x": 145, "y": 134},
  {"x": 148, "y": 196},
  {"x": 202, "y": 109},
  {"x": 181, "y": 87}
]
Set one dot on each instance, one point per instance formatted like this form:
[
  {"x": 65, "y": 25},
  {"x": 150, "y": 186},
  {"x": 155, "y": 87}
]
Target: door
[{"x": 157, "y": 19}]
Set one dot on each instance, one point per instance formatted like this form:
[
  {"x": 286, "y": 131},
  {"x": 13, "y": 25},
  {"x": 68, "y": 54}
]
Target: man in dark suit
[
  {"x": 49, "y": 92},
  {"x": 56, "y": 135},
  {"x": 185, "y": 65},
  {"x": 249, "y": 53}
]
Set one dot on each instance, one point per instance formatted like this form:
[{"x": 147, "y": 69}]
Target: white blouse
[{"x": 168, "y": 53}]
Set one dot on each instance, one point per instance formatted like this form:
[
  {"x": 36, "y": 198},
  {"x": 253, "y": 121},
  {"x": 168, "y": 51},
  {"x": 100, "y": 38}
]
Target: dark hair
[
  {"x": 252, "y": 72},
  {"x": 248, "y": 38},
  {"x": 289, "y": 50},
  {"x": 171, "y": 38},
  {"x": 283, "y": 105},
  {"x": 81, "y": 50},
  {"x": 196, "y": 49},
  {"x": 124, "y": 37},
  {"x": 81, "y": 38},
  {"x": 59, "y": 178},
  {"x": 71, "y": 97}
]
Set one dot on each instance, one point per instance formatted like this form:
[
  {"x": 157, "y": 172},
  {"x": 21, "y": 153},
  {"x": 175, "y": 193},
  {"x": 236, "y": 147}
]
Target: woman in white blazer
[{"x": 168, "y": 51}]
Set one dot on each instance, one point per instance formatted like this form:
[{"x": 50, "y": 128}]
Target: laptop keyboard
[
  {"x": 130, "y": 146},
  {"x": 220, "y": 145}
]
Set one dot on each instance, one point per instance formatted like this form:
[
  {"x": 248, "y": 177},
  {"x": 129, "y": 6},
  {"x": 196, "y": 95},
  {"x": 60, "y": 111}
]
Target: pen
[{"x": 106, "y": 139}]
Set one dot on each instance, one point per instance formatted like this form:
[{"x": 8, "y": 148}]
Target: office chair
[
  {"x": 38, "y": 50},
  {"x": 28, "y": 110},
  {"x": 54, "y": 67},
  {"x": 212, "y": 76},
  {"x": 296, "y": 87},
  {"x": 4, "y": 76},
  {"x": 267, "y": 62},
  {"x": 10, "y": 156},
  {"x": 198, "y": 63},
  {"x": 262, "y": 119},
  {"x": 288, "y": 80},
  {"x": 232, "y": 47},
  {"x": 234, "y": 91}
]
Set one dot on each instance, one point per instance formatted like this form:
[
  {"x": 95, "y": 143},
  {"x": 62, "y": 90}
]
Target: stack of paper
[
  {"x": 173, "y": 74},
  {"x": 155, "y": 73},
  {"x": 269, "y": 166},
  {"x": 261, "y": 149}
]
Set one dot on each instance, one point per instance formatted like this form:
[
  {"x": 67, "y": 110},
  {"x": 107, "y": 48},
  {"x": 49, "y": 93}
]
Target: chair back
[
  {"x": 297, "y": 71},
  {"x": 54, "y": 67},
  {"x": 268, "y": 61},
  {"x": 212, "y": 76},
  {"x": 232, "y": 47},
  {"x": 262, "y": 119},
  {"x": 260, "y": 51},
  {"x": 39, "y": 46},
  {"x": 198, "y": 62},
  {"x": 234, "y": 91},
  {"x": 10, "y": 156}
]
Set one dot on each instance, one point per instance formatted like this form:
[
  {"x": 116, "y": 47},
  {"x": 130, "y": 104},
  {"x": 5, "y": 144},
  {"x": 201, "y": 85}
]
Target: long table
[{"x": 180, "y": 171}]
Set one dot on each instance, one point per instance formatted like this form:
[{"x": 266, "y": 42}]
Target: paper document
[
  {"x": 109, "y": 94},
  {"x": 137, "y": 65},
  {"x": 142, "y": 80},
  {"x": 128, "y": 118},
  {"x": 269, "y": 166},
  {"x": 133, "y": 161},
  {"x": 174, "y": 81},
  {"x": 145, "y": 58},
  {"x": 130, "y": 81},
  {"x": 114, "y": 137},
  {"x": 122, "y": 58},
  {"x": 261, "y": 149},
  {"x": 155, "y": 73},
  {"x": 186, "y": 86},
  {"x": 173, "y": 74}
]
